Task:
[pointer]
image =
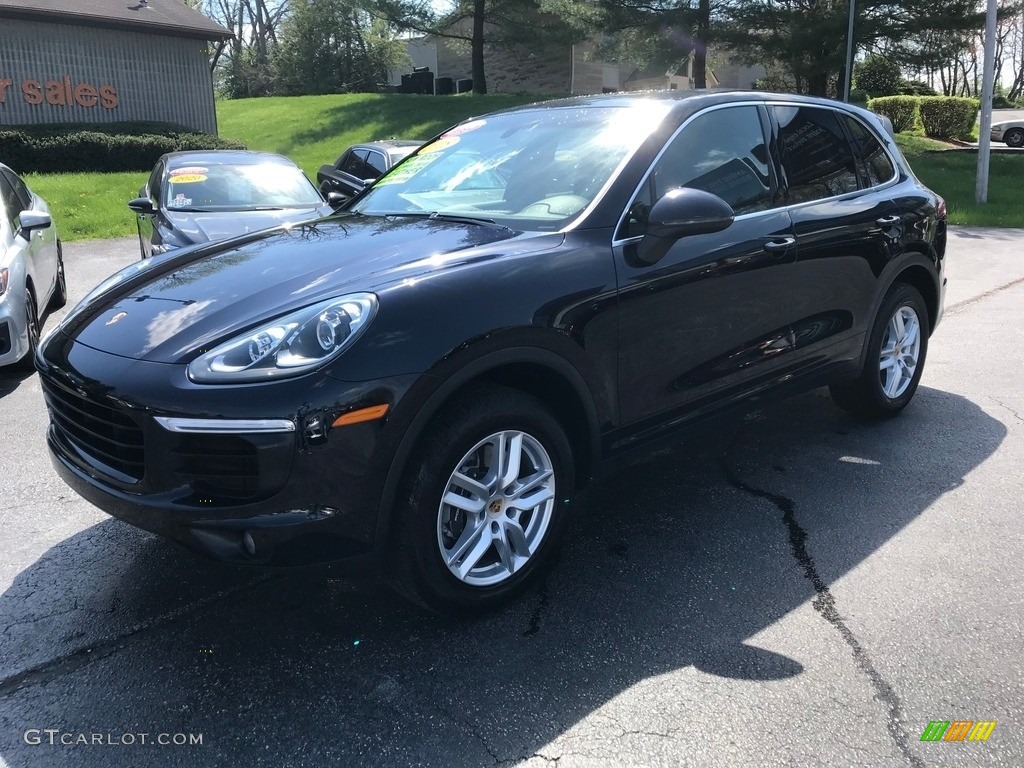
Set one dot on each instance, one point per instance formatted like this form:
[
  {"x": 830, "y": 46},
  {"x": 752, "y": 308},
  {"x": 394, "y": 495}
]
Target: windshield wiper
[
  {"x": 458, "y": 218},
  {"x": 188, "y": 209}
]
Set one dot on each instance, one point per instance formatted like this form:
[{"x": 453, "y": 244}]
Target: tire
[
  {"x": 495, "y": 560},
  {"x": 1014, "y": 137},
  {"x": 60, "y": 290},
  {"x": 882, "y": 392},
  {"x": 26, "y": 363}
]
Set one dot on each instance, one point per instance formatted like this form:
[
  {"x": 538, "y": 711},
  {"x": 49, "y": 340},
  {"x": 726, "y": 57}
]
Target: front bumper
[
  {"x": 13, "y": 333},
  {"x": 278, "y": 498}
]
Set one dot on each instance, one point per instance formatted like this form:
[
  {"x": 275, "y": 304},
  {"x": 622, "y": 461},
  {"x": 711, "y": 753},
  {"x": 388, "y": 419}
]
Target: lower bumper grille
[{"x": 107, "y": 436}]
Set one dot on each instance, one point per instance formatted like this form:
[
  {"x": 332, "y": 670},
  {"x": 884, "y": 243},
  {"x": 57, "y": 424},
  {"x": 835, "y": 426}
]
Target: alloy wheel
[
  {"x": 900, "y": 352},
  {"x": 496, "y": 508}
]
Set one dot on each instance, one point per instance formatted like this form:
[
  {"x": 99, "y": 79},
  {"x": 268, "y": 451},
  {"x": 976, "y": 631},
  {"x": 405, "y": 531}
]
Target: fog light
[{"x": 249, "y": 544}]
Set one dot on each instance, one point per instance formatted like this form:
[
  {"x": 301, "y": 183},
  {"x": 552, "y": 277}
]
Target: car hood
[
  {"x": 170, "y": 309},
  {"x": 198, "y": 227},
  {"x": 1009, "y": 124}
]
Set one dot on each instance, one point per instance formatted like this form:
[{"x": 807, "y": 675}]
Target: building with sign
[{"x": 105, "y": 61}]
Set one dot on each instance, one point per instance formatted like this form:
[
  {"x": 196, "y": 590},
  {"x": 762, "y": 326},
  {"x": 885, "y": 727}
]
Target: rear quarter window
[{"x": 877, "y": 163}]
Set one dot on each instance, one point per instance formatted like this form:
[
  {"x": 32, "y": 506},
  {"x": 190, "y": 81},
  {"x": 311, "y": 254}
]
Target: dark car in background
[
  {"x": 424, "y": 383},
  {"x": 361, "y": 164},
  {"x": 201, "y": 196}
]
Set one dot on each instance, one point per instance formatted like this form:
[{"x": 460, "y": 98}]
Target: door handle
[
  {"x": 888, "y": 221},
  {"x": 780, "y": 245}
]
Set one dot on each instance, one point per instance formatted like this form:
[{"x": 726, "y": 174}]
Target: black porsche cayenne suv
[{"x": 423, "y": 383}]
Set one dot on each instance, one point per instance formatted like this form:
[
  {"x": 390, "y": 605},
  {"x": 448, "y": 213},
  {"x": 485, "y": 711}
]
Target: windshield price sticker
[
  {"x": 190, "y": 178},
  {"x": 180, "y": 200},
  {"x": 190, "y": 170},
  {"x": 408, "y": 169}
]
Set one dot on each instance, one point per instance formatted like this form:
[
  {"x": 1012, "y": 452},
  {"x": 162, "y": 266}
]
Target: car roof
[
  {"x": 224, "y": 157},
  {"x": 394, "y": 147},
  {"x": 678, "y": 101}
]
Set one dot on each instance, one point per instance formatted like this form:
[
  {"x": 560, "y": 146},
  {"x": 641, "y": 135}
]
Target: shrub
[
  {"x": 109, "y": 148},
  {"x": 1001, "y": 102},
  {"x": 878, "y": 76},
  {"x": 858, "y": 96},
  {"x": 948, "y": 117},
  {"x": 916, "y": 88},
  {"x": 901, "y": 110}
]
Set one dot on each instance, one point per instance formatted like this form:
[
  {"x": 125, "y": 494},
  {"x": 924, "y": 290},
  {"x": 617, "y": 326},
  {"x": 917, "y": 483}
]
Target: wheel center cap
[{"x": 495, "y": 506}]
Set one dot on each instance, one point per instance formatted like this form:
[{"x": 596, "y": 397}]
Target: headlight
[
  {"x": 291, "y": 345},
  {"x": 4, "y": 276}
]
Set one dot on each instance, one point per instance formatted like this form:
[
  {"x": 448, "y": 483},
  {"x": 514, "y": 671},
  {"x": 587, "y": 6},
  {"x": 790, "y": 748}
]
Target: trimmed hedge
[
  {"x": 948, "y": 117},
  {"x": 901, "y": 110},
  {"x": 107, "y": 149}
]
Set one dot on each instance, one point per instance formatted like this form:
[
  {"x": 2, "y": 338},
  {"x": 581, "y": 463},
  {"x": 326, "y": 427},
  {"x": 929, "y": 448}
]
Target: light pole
[
  {"x": 849, "y": 52},
  {"x": 984, "y": 131}
]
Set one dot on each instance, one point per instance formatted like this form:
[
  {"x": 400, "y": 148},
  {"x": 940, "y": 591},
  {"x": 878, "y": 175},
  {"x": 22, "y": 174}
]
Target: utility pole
[
  {"x": 985, "y": 130},
  {"x": 849, "y": 52}
]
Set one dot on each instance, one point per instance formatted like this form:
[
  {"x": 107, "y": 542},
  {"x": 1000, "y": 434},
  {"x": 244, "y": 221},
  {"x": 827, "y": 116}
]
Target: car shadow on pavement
[
  {"x": 676, "y": 562},
  {"x": 11, "y": 378}
]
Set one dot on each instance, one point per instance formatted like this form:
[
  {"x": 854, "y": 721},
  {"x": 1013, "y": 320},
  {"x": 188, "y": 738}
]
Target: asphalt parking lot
[{"x": 794, "y": 589}]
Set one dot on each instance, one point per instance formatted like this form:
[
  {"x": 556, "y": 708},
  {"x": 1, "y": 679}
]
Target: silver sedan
[
  {"x": 1010, "y": 132},
  {"x": 31, "y": 268}
]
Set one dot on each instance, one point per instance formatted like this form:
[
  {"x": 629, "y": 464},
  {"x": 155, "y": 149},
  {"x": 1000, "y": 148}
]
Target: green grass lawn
[
  {"x": 313, "y": 130},
  {"x": 87, "y": 206},
  {"x": 952, "y": 173}
]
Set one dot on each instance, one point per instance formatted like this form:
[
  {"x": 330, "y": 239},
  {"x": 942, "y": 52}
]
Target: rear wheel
[
  {"x": 32, "y": 331},
  {"x": 1014, "y": 137},
  {"x": 897, "y": 348},
  {"x": 485, "y": 502}
]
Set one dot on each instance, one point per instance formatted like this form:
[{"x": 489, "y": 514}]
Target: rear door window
[{"x": 816, "y": 156}]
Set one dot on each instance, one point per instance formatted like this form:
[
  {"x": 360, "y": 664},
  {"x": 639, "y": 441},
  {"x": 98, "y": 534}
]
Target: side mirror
[
  {"x": 142, "y": 205},
  {"x": 32, "y": 220},
  {"x": 336, "y": 199},
  {"x": 680, "y": 213}
]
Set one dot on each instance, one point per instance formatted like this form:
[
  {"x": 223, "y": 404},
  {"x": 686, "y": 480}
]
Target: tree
[
  {"x": 522, "y": 24},
  {"x": 878, "y": 75},
  {"x": 808, "y": 37},
  {"x": 332, "y": 46}
]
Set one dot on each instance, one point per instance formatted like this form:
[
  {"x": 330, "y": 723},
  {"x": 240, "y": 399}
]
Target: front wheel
[
  {"x": 32, "y": 333},
  {"x": 486, "y": 499},
  {"x": 60, "y": 289},
  {"x": 1014, "y": 137},
  {"x": 897, "y": 348}
]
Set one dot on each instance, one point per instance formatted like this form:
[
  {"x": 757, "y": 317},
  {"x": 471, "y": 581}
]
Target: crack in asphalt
[
  {"x": 954, "y": 308},
  {"x": 80, "y": 657},
  {"x": 825, "y": 604},
  {"x": 1008, "y": 408}
]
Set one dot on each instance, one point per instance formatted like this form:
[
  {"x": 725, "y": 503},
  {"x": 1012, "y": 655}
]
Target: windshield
[
  {"x": 531, "y": 170},
  {"x": 222, "y": 187}
]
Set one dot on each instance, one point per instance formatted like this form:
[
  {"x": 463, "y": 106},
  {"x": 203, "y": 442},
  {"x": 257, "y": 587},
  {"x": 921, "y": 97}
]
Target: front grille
[
  {"x": 220, "y": 466},
  {"x": 106, "y": 435}
]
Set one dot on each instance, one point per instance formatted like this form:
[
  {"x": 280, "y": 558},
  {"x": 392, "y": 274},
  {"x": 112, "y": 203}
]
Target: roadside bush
[
  {"x": 901, "y": 110},
  {"x": 948, "y": 117},
  {"x": 859, "y": 96},
  {"x": 105, "y": 149},
  {"x": 1001, "y": 102}
]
